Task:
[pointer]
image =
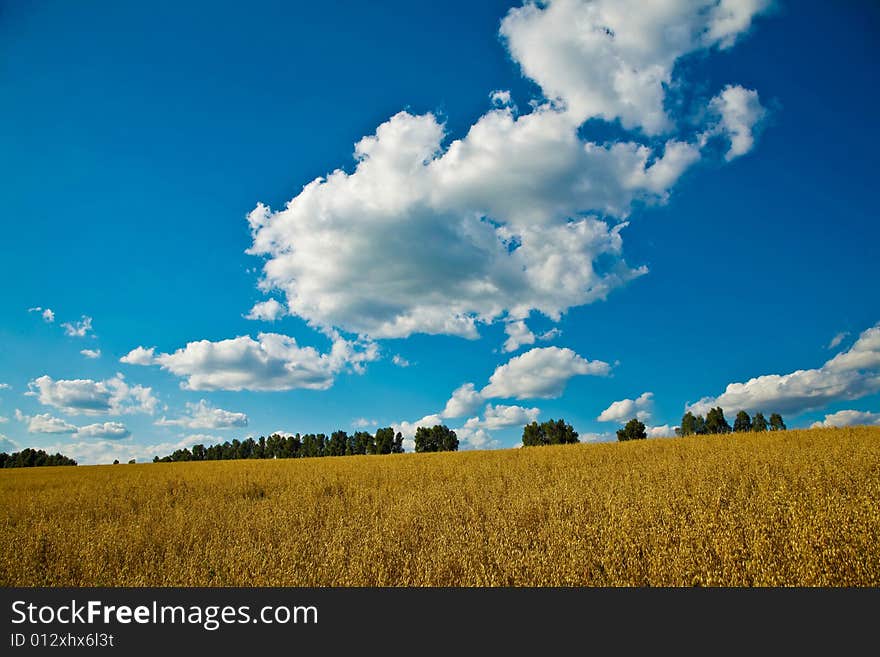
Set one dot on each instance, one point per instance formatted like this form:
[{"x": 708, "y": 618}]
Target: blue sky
[{"x": 573, "y": 207}]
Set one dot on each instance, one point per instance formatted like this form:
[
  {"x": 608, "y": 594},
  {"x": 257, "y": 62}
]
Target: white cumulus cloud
[
  {"x": 475, "y": 438},
  {"x": 522, "y": 213},
  {"x": 518, "y": 334},
  {"x": 271, "y": 362},
  {"x": 740, "y": 111},
  {"x": 614, "y": 59},
  {"x": 626, "y": 409},
  {"x": 113, "y": 396},
  {"x": 91, "y": 353},
  {"x": 139, "y": 356},
  {"x": 44, "y": 423},
  {"x": 202, "y": 415},
  {"x": 849, "y": 375},
  {"x": 848, "y": 418},
  {"x": 662, "y": 431},
  {"x": 464, "y": 400},
  {"x": 540, "y": 373},
  {"x": 501, "y": 416},
  {"x": 268, "y": 311},
  {"x": 103, "y": 430}
]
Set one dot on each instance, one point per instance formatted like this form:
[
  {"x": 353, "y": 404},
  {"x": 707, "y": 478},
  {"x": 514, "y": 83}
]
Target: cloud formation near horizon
[{"x": 849, "y": 375}]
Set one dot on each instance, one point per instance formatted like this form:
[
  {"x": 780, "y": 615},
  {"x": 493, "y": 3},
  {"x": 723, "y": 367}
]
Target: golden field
[{"x": 786, "y": 508}]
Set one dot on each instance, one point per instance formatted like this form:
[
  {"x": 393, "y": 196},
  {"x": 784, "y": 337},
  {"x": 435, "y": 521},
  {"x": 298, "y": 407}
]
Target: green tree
[
  {"x": 31, "y": 458},
  {"x": 560, "y": 433},
  {"x": 551, "y": 432},
  {"x": 533, "y": 435},
  {"x": 715, "y": 422},
  {"x": 776, "y": 423},
  {"x": 692, "y": 425},
  {"x": 759, "y": 423},
  {"x": 634, "y": 430},
  {"x": 384, "y": 440},
  {"x": 688, "y": 425},
  {"x": 397, "y": 448},
  {"x": 337, "y": 444},
  {"x": 742, "y": 422},
  {"x": 438, "y": 438},
  {"x": 363, "y": 443}
]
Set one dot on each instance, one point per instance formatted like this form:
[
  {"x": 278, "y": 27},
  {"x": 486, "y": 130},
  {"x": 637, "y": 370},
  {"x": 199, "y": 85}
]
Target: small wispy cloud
[
  {"x": 46, "y": 313},
  {"x": 91, "y": 353},
  {"x": 78, "y": 329},
  {"x": 837, "y": 339}
]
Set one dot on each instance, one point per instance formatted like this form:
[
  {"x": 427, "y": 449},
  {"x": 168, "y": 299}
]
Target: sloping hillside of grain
[{"x": 784, "y": 508}]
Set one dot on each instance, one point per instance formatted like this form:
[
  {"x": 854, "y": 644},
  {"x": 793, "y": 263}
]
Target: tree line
[
  {"x": 713, "y": 423},
  {"x": 309, "y": 445},
  {"x": 33, "y": 458},
  {"x": 438, "y": 438}
]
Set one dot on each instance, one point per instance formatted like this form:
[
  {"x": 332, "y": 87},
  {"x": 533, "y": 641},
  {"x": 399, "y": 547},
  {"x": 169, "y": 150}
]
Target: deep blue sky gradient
[{"x": 134, "y": 138}]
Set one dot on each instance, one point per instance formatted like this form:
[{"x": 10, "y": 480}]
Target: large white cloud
[
  {"x": 44, "y": 423},
  {"x": 848, "y": 418},
  {"x": 517, "y": 216},
  {"x": 862, "y": 356},
  {"x": 204, "y": 416},
  {"x": 614, "y": 59},
  {"x": 662, "y": 431},
  {"x": 113, "y": 396},
  {"x": 103, "y": 430},
  {"x": 408, "y": 429},
  {"x": 851, "y": 374},
  {"x": 271, "y": 362},
  {"x": 140, "y": 356},
  {"x": 540, "y": 373},
  {"x": 625, "y": 409},
  {"x": 501, "y": 416},
  {"x": 464, "y": 400}
]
